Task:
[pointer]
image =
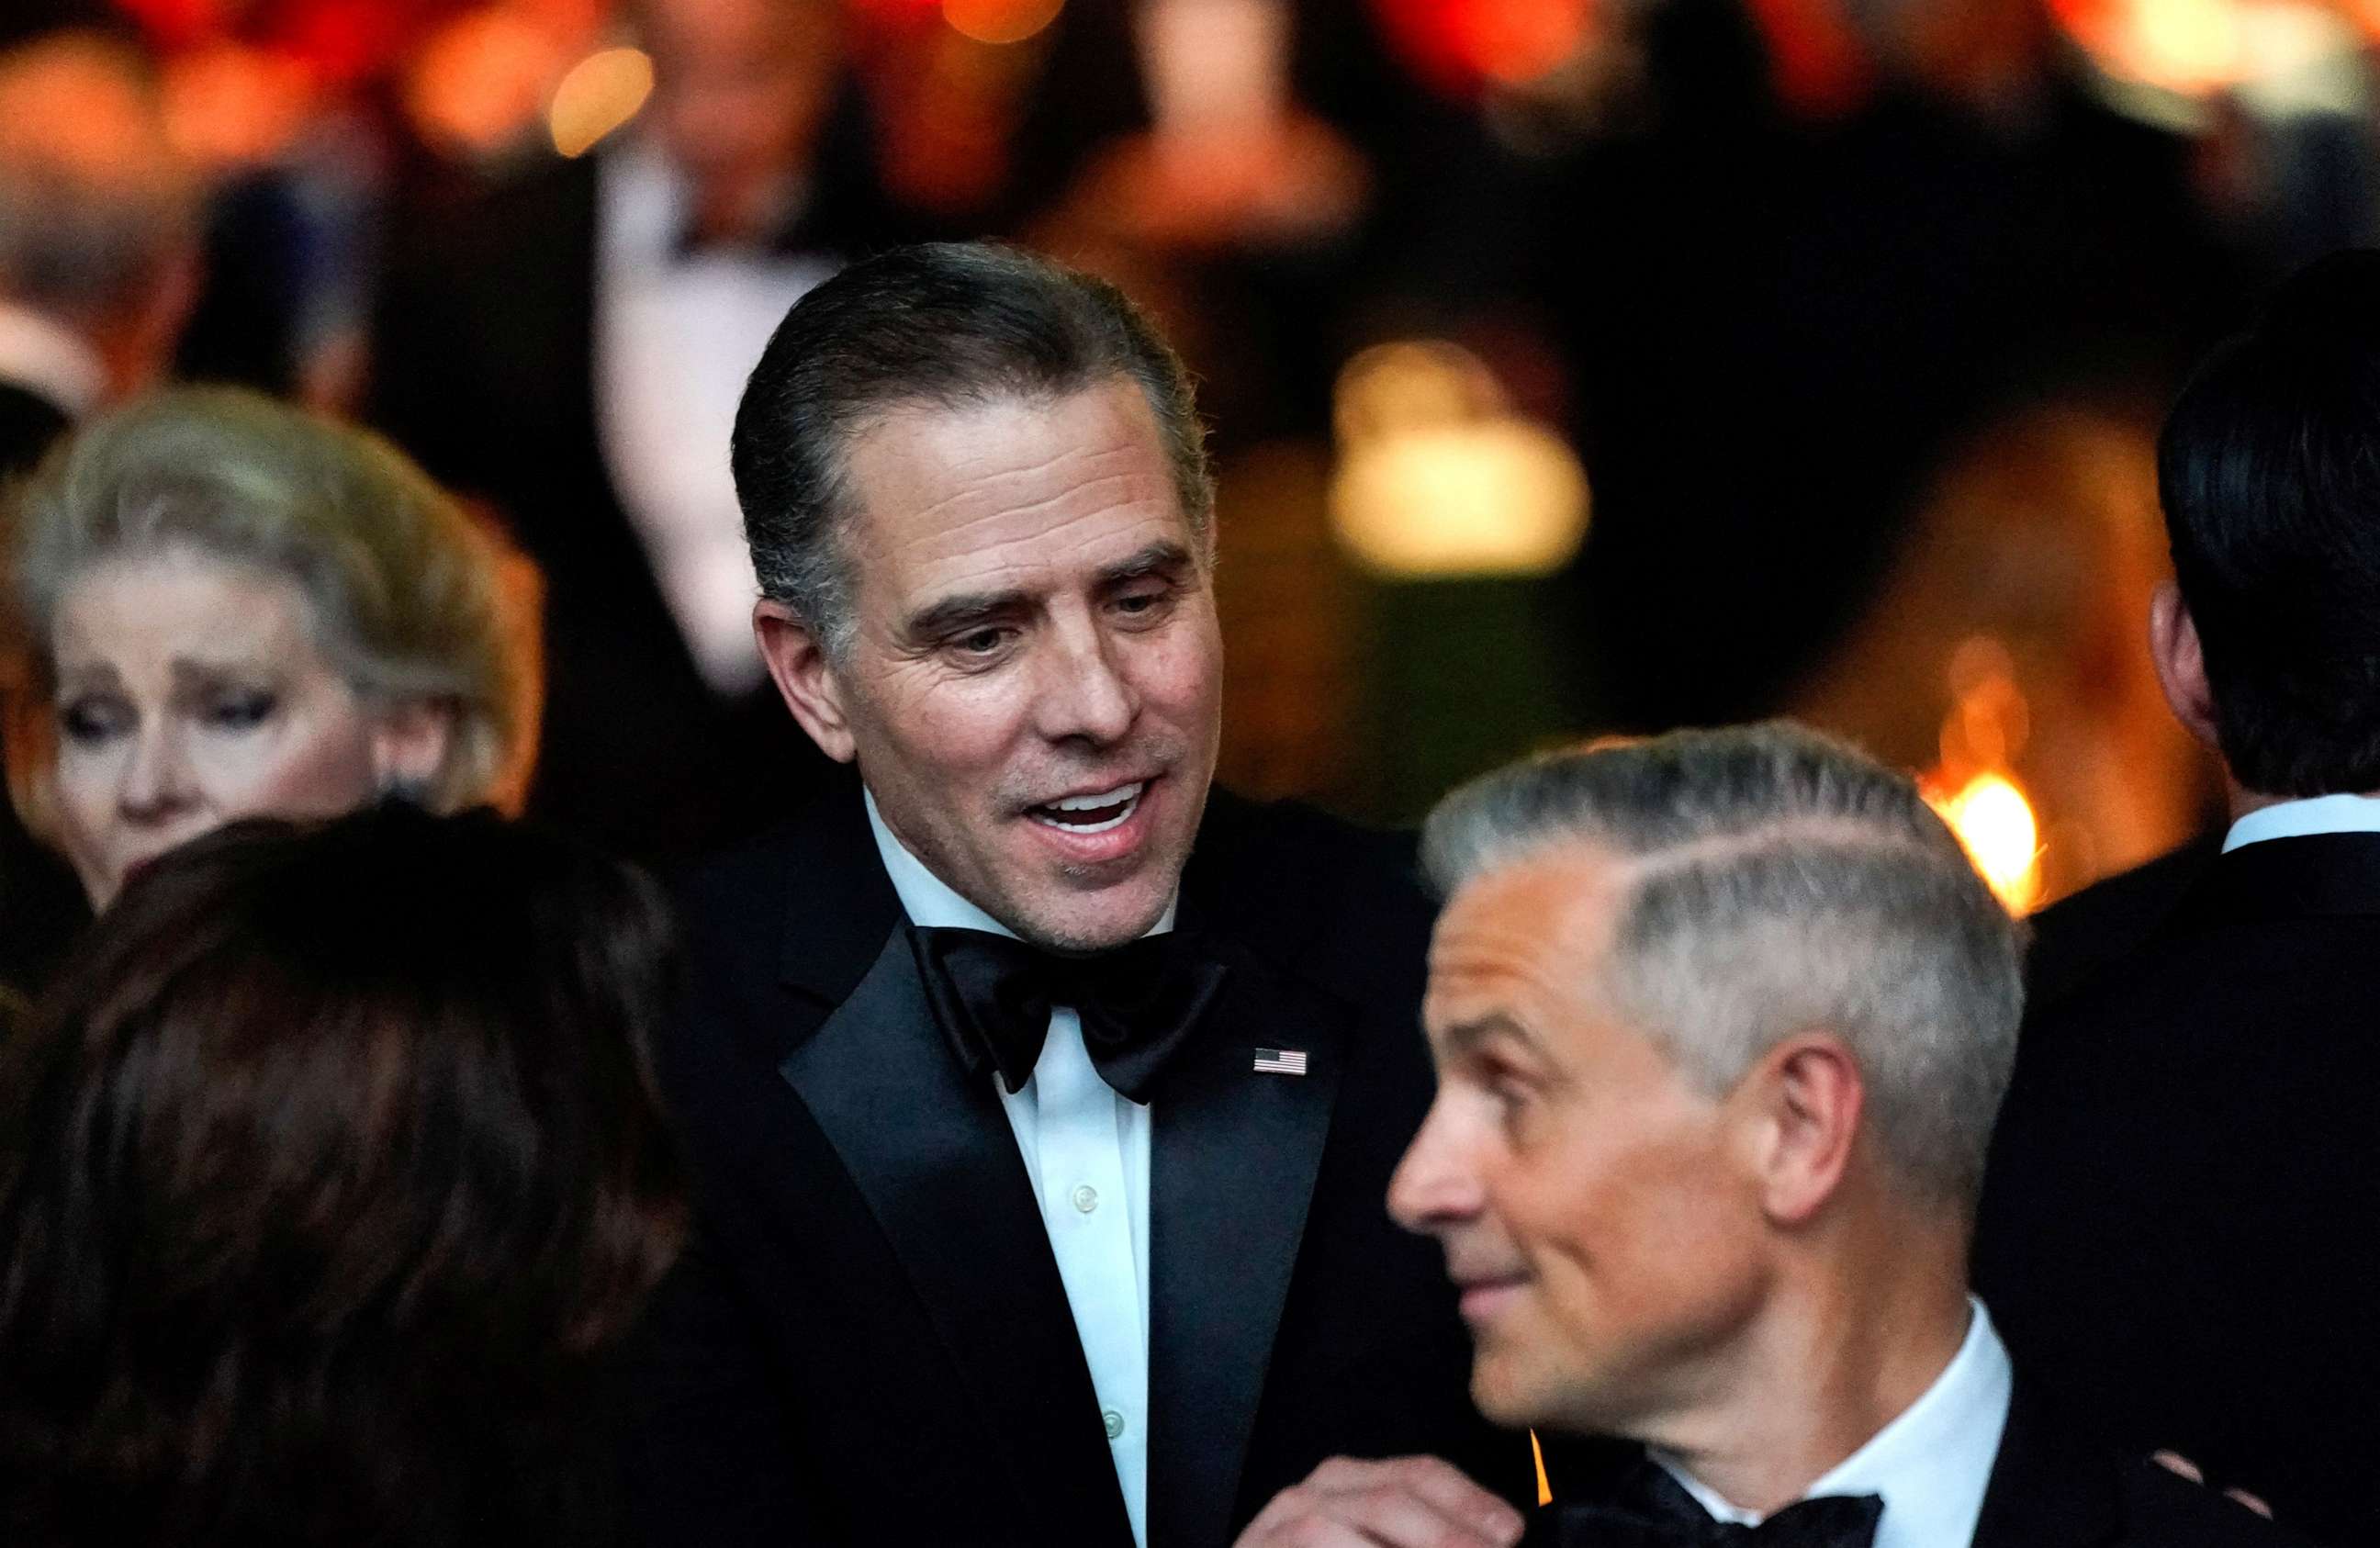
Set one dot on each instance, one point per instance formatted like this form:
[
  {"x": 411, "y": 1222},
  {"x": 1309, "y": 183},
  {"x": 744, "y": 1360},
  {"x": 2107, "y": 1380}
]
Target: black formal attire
[
  {"x": 29, "y": 423},
  {"x": 2048, "y": 1489},
  {"x": 42, "y": 906},
  {"x": 485, "y": 370},
  {"x": 2176, "y": 1230},
  {"x": 868, "y": 1339}
]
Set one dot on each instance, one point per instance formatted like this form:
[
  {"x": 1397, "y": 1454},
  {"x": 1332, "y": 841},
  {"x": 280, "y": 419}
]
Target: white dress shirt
[
  {"x": 2297, "y": 819},
  {"x": 1086, "y": 1150},
  {"x": 675, "y": 336},
  {"x": 1931, "y": 1465},
  {"x": 49, "y": 360}
]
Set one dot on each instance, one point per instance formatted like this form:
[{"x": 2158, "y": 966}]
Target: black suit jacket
[
  {"x": 869, "y": 1341},
  {"x": 484, "y": 368},
  {"x": 30, "y": 423},
  {"x": 2050, "y": 1488},
  {"x": 2180, "y": 1226}
]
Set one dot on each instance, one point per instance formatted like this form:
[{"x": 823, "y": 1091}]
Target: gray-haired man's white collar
[
  {"x": 2305, "y": 818},
  {"x": 40, "y": 354},
  {"x": 1931, "y": 1465},
  {"x": 931, "y": 902}
]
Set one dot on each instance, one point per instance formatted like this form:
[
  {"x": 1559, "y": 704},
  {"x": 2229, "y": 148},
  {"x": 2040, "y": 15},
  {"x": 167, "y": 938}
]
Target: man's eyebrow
[
  {"x": 1163, "y": 557},
  {"x": 1466, "y": 1037},
  {"x": 954, "y": 615}
]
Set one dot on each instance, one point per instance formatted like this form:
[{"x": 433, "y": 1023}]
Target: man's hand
[
  {"x": 2175, "y": 1462},
  {"x": 1407, "y": 1502}
]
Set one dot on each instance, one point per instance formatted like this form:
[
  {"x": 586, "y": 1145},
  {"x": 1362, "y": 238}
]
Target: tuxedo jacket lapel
[
  {"x": 2047, "y": 1490},
  {"x": 933, "y": 1156},
  {"x": 1234, "y": 1154}
]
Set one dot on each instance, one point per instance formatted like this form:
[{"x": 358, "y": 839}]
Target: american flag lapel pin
[{"x": 1280, "y": 1061}]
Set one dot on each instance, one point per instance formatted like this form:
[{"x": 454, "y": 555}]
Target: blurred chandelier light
[
  {"x": 1437, "y": 477},
  {"x": 601, "y": 93},
  {"x": 1001, "y": 21},
  {"x": 1996, "y": 823},
  {"x": 1459, "y": 44},
  {"x": 2295, "y": 55},
  {"x": 1986, "y": 730}
]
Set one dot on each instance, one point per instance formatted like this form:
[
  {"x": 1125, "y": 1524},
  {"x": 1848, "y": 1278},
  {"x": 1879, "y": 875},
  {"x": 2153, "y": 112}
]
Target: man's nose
[
  {"x": 156, "y": 784},
  {"x": 1087, "y": 691},
  {"x": 1435, "y": 1186}
]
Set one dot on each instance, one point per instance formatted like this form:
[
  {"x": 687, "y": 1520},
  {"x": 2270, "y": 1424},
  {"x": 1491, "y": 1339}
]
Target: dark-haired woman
[{"x": 330, "y": 1173}]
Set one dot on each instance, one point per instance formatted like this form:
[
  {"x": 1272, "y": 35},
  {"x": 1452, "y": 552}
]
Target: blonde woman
[{"x": 223, "y": 608}]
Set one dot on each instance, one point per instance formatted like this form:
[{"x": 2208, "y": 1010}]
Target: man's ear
[
  {"x": 1810, "y": 1098},
  {"x": 409, "y": 738},
  {"x": 805, "y": 677},
  {"x": 2181, "y": 664}
]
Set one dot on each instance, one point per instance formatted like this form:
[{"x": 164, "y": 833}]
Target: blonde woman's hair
[{"x": 408, "y": 597}]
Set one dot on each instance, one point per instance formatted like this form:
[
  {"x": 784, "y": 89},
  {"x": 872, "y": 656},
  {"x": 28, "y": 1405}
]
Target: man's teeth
[
  {"x": 1106, "y": 798},
  {"x": 1124, "y": 799}
]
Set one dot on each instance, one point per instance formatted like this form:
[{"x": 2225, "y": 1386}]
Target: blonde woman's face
[{"x": 189, "y": 694}]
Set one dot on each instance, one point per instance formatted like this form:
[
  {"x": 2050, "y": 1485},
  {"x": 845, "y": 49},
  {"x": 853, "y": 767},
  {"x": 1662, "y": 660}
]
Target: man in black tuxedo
[
  {"x": 1720, "y": 1019},
  {"x": 570, "y": 348},
  {"x": 2176, "y": 1222},
  {"x": 1041, "y": 1103}
]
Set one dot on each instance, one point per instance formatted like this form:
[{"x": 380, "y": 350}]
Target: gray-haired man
[{"x": 1721, "y": 1021}]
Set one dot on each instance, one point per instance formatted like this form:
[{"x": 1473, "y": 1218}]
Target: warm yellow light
[
  {"x": 1001, "y": 21},
  {"x": 2192, "y": 45},
  {"x": 1499, "y": 497},
  {"x": 1438, "y": 478},
  {"x": 1996, "y": 823},
  {"x": 601, "y": 93}
]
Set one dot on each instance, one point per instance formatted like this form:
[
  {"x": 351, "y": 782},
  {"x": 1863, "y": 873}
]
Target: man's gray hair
[{"x": 1779, "y": 882}]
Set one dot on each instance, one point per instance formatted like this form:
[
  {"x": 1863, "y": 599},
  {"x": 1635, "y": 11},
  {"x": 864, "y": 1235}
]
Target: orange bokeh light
[
  {"x": 1001, "y": 21},
  {"x": 1458, "y": 45},
  {"x": 1516, "y": 42},
  {"x": 1996, "y": 823}
]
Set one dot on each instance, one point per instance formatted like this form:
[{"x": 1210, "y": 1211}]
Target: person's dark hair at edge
[
  {"x": 2269, "y": 472},
  {"x": 331, "y": 1171},
  {"x": 940, "y": 325}
]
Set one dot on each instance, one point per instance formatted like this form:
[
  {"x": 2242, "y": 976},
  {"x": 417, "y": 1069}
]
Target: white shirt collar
[
  {"x": 2296, "y": 819},
  {"x": 1931, "y": 1465},
  {"x": 642, "y": 204},
  {"x": 934, "y": 904},
  {"x": 45, "y": 355}
]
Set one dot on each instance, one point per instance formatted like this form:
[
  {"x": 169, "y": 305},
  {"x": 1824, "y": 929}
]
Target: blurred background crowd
[{"x": 1574, "y": 365}]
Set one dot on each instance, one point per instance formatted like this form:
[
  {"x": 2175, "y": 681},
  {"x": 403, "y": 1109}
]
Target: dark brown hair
[
  {"x": 940, "y": 324},
  {"x": 331, "y": 1170},
  {"x": 2272, "y": 503}
]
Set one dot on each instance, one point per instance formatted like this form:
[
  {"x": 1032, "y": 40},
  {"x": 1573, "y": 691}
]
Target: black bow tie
[
  {"x": 1138, "y": 1003},
  {"x": 1653, "y": 1510}
]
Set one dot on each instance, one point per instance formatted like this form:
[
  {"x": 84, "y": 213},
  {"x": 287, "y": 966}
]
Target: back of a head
[
  {"x": 1780, "y": 882},
  {"x": 95, "y": 205},
  {"x": 333, "y": 1168},
  {"x": 2269, "y": 472},
  {"x": 935, "y": 325}
]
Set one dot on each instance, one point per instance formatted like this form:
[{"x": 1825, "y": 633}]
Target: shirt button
[
  {"x": 1086, "y": 1199},
  {"x": 1115, "y": 1423}
]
